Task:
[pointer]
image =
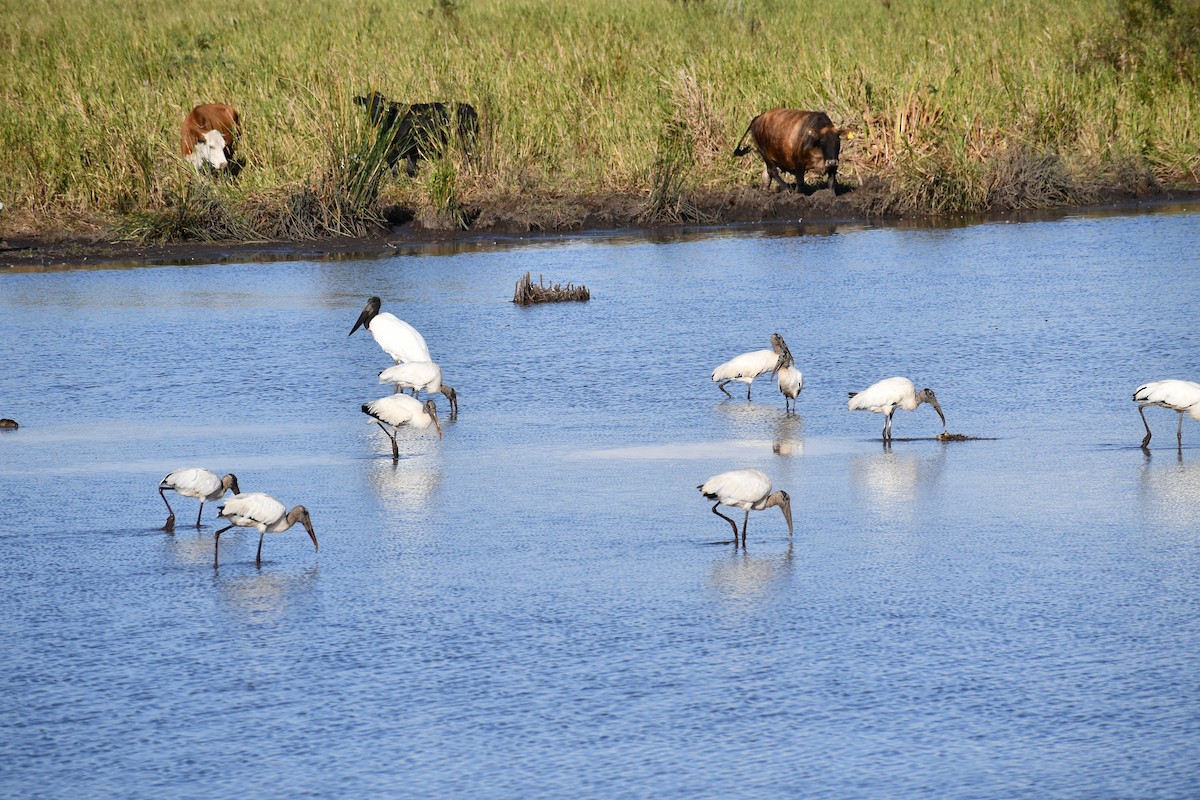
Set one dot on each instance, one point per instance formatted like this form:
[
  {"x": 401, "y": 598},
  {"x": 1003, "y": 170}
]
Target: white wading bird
[
  {"x": 195, "y": 482},
  {"x": 748, "y": 366},
  {"x": 420, "y": 376},
  {"x": 888, "y": 395},
  {"x": 1181, "y": 396},
  {"x": 749, "y": 489},
  {"x": 398, "y": 339},
  {"x": 745, "y": 368},
  {"x": 399, "y": 410},
  {"x": 261, "y": 511},
  {"x": 791, "y": 382}
]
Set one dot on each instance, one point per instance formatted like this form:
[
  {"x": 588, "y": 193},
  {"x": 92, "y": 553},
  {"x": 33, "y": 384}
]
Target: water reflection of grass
[{"x": 955, "y": 105}]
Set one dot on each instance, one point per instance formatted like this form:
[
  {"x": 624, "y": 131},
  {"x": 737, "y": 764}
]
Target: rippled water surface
[{"x": 541, "y": 604}]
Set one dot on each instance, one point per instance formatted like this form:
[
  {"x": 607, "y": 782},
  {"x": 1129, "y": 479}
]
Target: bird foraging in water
[
  {"x": 264, "y": 513},
  {"x": 888, "y": 395},
  {"x": 398, "y": 339},
  {"x": 748, "y": 489},
  {"x": 420, "y": 376},
  {"x": 398, "y": 410},
  {"x": 1181, "y": 396},
  {"x": 195, "y": 482}
]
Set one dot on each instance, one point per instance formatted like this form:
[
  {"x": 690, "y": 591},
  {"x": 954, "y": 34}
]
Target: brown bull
[{"x": 794, "y": 141}]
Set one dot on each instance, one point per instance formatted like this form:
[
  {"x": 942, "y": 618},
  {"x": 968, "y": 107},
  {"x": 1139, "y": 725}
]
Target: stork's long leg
[
  {"x": 745, "y": 522},
  {"x": 198, "y": 513},
  {"x": 170, "y": 526},
  {"x": 887, "y": 425},
  {"x": 258, "y": 556},
  {"x": 217, "y": 543},
  {"x": 1142, "y": 411},
  {"x": 721, "y": 386},
  {"x": 748, "y": 389},
  {"x": 1179, "y": 433},
  {"x": 392, "y": 436},
  {"x": 732, "y": 524}
]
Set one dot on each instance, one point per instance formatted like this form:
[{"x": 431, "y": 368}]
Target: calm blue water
[{"x": 541, "y": 604}]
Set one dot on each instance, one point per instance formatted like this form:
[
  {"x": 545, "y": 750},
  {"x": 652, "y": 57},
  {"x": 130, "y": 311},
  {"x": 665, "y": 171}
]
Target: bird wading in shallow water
[
  {"x": 745, "y": 368},
  {"x": 791, "y": 382},
  {"x": 888, "y": 395},
  {"x": 263, "y": 513},
  {"x": 1181, "y": 396},
  {"x": 748, "y": 489},
  {"x": 396, "y": 337},
  {"x": 399, "y": 410},
  {"x": 420, "y": 376},
  {"x": 195, "y": 482}
]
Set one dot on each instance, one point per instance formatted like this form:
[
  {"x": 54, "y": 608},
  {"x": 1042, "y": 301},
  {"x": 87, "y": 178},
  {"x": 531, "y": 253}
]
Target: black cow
[{"x": 419, "y": 130}]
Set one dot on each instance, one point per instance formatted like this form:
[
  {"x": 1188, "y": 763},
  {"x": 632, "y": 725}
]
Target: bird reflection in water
[
  {"x": 890, "y": 483},
  {"x": 742, "y": 576},
  {"x": 407, "y": 487},
  {"x": 262, "y": 598},
  {"x": 1169, "y": 488},
  {"x": 788, "y": 439},
  {"x": 747, "y": 420}
]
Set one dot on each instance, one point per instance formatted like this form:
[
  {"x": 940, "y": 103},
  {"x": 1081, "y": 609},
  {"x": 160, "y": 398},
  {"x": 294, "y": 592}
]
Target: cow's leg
[{"x": 773, "y": 172}]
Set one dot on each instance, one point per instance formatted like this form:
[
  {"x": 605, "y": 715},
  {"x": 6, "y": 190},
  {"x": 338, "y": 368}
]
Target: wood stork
[
  {"x": 195, "y": 482},
  {"x": 791, "y": 382},
  {"x": 749, "y": 489},
  {"x": 888, "y": 395},
  {"x": 398, "y": 339},
  {"x": 781, "y": 348},
  {"x": 266, "y": 514},
  {"x": 1181, "y": 396},
  {"x": 745, "y": 368},
  {"x": 420, "y": 376},
  {"x": 399, "y": 410}
]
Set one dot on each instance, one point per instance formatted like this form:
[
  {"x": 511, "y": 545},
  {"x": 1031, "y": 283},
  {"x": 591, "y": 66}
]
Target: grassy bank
[{"x": 955, "y": 105}]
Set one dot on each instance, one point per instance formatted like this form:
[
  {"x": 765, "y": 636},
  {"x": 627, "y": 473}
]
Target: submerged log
[{"x": 528, "y": 293}]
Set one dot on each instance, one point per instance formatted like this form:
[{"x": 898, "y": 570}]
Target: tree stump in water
[{"x": 528, "y": 293}]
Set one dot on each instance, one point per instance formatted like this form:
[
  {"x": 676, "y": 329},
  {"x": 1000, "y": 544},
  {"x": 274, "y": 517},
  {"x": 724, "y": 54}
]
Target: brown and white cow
[
  {"x": 209, "y": 135},
  {"x": 794, "y": 141}
]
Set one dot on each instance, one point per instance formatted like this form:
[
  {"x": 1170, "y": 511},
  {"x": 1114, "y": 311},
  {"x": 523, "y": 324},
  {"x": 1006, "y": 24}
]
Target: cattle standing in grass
[
  {"x": 420, "y": 130},
  {"x": 794, "y": 141},
  {"x": 209, "y": 135}
]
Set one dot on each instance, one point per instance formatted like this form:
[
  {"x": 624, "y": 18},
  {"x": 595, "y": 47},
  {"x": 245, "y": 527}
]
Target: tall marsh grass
[{"x": 956, "y": 105}]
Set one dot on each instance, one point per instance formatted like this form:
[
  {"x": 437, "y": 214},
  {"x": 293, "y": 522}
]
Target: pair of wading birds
[
  {"x": 750, "y": 489},
  {"x": 414, "y": 370}
]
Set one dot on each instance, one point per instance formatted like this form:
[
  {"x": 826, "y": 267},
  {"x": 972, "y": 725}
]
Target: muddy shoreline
[{"x": 515, "y": 221}]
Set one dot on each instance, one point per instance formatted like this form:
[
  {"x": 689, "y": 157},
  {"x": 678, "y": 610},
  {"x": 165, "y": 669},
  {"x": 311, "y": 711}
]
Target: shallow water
[{"x": 541, "y": 604}]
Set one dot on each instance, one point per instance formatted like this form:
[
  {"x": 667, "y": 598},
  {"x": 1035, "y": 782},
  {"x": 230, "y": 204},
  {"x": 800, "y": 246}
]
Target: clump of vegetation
[
  {"x": 1063, "y": 100},
  {"x": 527, "y": 293}
]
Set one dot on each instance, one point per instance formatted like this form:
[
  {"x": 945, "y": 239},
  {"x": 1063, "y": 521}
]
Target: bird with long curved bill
[
  {"x": 196, "y": 482},
  {"x": 748, "y": 489},
  {"x": 420, "y": 376},
  {"x": 263, "y": 513},
  {"x": 398, "y": 410},
  {"x": 887, "y": 395}
]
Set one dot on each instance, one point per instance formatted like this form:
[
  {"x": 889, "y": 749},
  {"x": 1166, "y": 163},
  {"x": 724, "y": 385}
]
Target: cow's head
[
  {"x": 828, "y": 141},
  {"x": 375, "y": 103},
  {"x": 209, "y": 150}
]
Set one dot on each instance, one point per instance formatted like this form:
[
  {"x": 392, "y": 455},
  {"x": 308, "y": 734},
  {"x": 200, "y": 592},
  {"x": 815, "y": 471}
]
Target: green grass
[{"x": 957, "y": 105}]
